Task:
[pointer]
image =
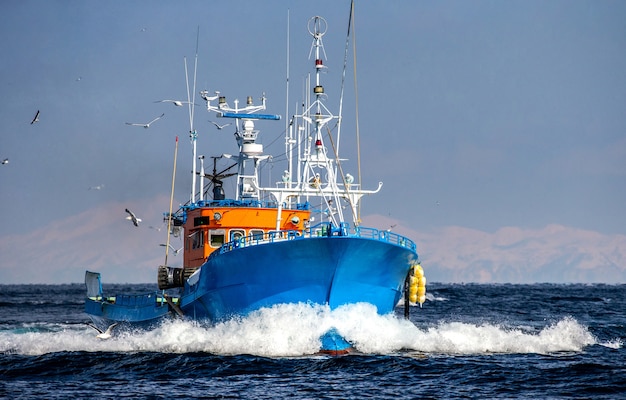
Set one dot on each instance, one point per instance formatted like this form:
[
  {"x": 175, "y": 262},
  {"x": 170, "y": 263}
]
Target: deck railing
[{"x": 318, "y": 231}]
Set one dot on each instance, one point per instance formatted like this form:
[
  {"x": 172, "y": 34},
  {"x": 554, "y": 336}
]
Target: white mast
[
  {"x": 316, "y": 175},
  {"x": 193, "y": 134}
]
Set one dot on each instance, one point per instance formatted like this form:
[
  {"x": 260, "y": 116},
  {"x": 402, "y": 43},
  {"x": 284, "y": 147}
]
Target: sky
[{"x": 488, "y": 122}]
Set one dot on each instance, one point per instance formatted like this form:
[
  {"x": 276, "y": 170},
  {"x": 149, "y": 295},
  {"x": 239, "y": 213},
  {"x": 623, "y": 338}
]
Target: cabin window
[
  {"x": 197, "y": 239},
  {"x": 257, "y": 234},
  {"x": 236, "y": 234},
  {"x": 201, "y": 221},
  {"x": 216, "y": 237}
]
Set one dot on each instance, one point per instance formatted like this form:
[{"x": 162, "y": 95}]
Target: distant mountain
[
  {"x": 102, "y": 240},
  {"x": 554, "y": 253}
]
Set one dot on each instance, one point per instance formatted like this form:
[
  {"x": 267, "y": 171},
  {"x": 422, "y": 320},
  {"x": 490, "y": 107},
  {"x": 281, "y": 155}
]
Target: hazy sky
[{"x": 478, "y": 114}]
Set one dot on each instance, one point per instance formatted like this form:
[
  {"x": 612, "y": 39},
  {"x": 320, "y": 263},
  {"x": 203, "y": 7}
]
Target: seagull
[
  {"x": 148, "y": 124},
  {"x": 99, "y": 187},
  {"x": 220, "y": 126},
  {"x": 177, "y": 103},
  {"x": 171, "y": 247},
  {"x": 156, "y": 229},
  {"x": 5, "y": 161},
  {"x": 133, "y": 217},
  {"x": 36, "y": 119},
  {"x": 104, "y": 334}
]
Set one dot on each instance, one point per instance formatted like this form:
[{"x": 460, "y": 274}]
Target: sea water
[{"x": 467, "y": 341}]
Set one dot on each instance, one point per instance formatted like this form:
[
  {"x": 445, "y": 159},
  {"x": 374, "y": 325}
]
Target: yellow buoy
[{"x": 417, "y": 285}]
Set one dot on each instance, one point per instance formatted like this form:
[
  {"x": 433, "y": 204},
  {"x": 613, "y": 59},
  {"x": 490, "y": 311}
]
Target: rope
[{"x": 169, "y": 219}]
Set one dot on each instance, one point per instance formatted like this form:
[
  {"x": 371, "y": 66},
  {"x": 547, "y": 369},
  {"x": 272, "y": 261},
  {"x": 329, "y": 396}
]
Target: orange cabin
[{"x": 208, "y": 228}]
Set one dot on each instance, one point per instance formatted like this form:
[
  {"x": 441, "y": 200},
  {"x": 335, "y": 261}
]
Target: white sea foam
[
  {"x": 294, "y": 330},
  {"x": 613, "y": 344}
]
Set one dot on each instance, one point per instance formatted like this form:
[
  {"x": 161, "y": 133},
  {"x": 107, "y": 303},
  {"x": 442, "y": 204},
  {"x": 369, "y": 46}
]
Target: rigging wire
[
  {"x": 343, "y": 80},
  {"x": 356, "y": 102},
  {"x": 169, "y": 219}
]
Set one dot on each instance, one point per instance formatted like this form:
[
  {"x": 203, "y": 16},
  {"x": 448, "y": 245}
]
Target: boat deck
[{"x": 319, "y": 230}]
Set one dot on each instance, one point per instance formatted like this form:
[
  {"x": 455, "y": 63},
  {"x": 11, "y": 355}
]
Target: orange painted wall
[{"x": 234, "y": 218}]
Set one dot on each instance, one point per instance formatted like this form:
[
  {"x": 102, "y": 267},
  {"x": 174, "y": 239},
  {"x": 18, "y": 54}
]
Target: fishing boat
[{"x": 298, "y": 240}]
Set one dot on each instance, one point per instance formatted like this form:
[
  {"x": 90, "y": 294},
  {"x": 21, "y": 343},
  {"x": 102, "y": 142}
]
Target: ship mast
[
  {"x": 250, "y": 152},
  {"x": 316, "y": 174}
]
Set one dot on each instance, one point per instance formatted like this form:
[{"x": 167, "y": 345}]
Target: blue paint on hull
[
  {"x": 134, "y": 311},
  {"x": 335, "y": 270},
  {"x": 334, "y": 344},
  {"x": 326, "y": 270}
]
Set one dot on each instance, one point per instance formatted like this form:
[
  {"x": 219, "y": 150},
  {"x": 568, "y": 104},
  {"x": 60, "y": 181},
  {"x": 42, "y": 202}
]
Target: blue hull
[
  {"x": 239, "y": 279},
  {"x": 326, "y": 270},
  {"x": 141, "y": 312}
]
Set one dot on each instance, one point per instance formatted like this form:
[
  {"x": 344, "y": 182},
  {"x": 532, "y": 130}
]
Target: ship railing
[
  {"x": 250, "y": 203},
  {"x": 319, "y": 230},
  {"x": 138, "y": 300},
  {"x": 325, "y": 229},
  {"x": 256, "y": 239},
  {"x": 386, "y": 236}
]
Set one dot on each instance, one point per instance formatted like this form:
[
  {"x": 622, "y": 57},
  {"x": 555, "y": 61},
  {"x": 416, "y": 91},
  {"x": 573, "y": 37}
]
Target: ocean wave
[{"x": 294, "y": 329}]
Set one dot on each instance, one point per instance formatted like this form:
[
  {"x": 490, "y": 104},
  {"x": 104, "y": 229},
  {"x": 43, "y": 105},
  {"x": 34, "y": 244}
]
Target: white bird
[
  {"x": 104, "y": 334},
  {"x": 5, "y": 161},
  {"x": 220, "y": 126},
  {"x": 156, "y": 229},
  {"x": 177, "y": 103},
  {"x": 36, "y": 119},
  {"x": 171, "y": 247},
  {"x": 133, "y": 217},
  {"x": 99, "y": 187},
  {"x": 148, "y": 124}
]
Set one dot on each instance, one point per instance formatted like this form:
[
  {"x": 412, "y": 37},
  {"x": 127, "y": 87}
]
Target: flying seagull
[
  {"x": 220, "y": 126},
  {"x": 99, "y": 187},
  {"x": 171, "y": 247},
  {"x": 36, "y": 119},
  {"x": 177, "y": 103},
  {"x": 104, "y": 334},
  {"x": 133, "y": 217},
  {"x": 148, "y": 124},
  {"x": 5, "y": 161}
]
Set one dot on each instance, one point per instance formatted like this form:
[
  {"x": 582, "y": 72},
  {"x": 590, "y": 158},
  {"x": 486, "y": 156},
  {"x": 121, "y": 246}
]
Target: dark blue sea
[{"x": 475, "y": 341}]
